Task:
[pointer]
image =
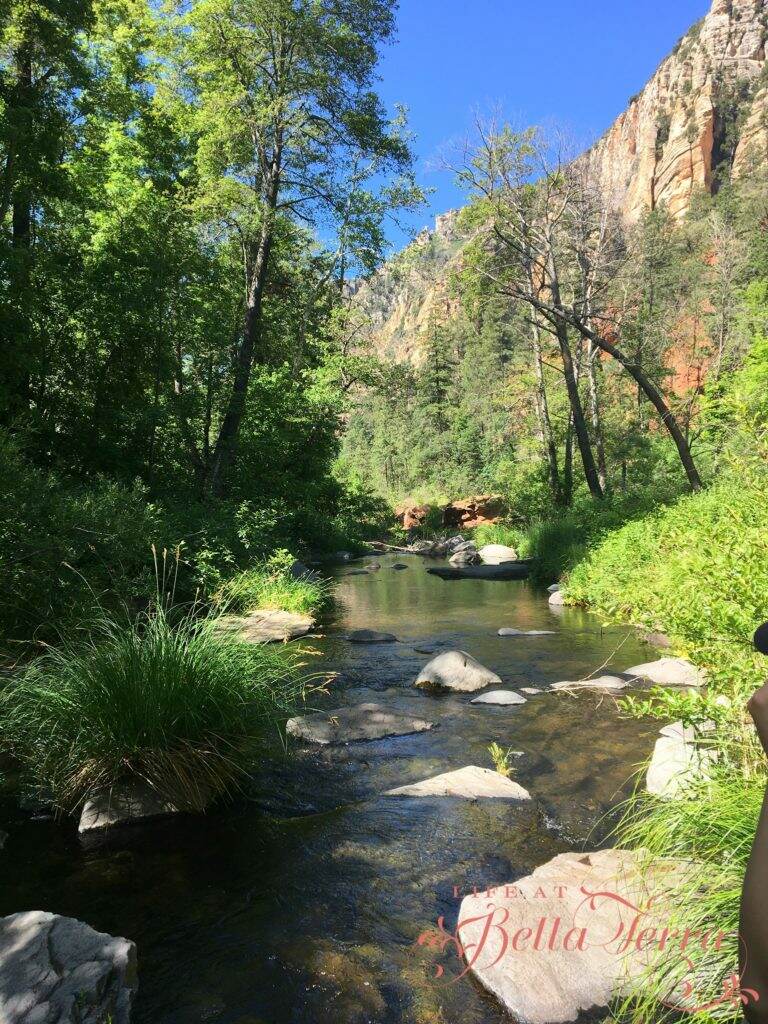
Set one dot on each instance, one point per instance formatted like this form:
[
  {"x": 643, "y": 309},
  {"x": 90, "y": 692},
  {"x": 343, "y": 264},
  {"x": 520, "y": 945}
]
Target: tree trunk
[
  {"x": 226, "y": 443},
  {"x": 577, "y": 411},
  {"x": 545, "y": 422},
  {"x": 595, "y": 415},
  {"x": 656, "y": 398}
]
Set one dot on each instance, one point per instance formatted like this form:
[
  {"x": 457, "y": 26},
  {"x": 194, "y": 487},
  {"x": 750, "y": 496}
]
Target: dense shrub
[
  {"x": 179, "y": 706},
  {"x": 270, "y": 585}
]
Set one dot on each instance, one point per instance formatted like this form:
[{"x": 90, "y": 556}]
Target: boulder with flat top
[
  {"x": 470, "y": 783},
  {"x": 352, "y": 724},
  {"x": 669, "y": 672},
  {"x": 456, "y": 670}
]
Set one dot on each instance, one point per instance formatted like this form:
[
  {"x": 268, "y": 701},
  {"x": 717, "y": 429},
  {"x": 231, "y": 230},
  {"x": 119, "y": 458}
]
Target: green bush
[
  {"x": 270, "y": 585},
  {"x": 497, "y": 533},
  {"x": 179, "y": 706}
]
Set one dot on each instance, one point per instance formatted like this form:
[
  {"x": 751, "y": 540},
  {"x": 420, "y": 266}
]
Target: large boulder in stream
[
  {"x": 124, "y": 804},
  {"x": 497, "y": 554},
  {"x": 57, "y": 970},
  {"x": 679, "y": 761},
  {"x": 264, "y": 627},
  {"x": 470, "y": 783},
  {"x": 669, "y": 672},
  {"x": 551, "y": 953},
  {"x": 456, "y": 670},
  {"x": 349, "y": 725}
]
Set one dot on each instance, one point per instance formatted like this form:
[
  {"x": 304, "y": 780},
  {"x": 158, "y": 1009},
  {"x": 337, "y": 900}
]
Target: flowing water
[{"x": 304, "y": 906}]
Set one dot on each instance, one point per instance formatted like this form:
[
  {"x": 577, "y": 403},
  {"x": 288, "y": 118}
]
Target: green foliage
[
  {"x": 497, "y": 533},
  {"x": 501, "y": 759},
  {"x": 271, "y": 586},
  {"x": 172, "y": 704}
]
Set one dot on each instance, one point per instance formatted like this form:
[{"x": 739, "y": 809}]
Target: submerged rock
[
  {"x": 399, "y": 566},
  {"x": 557, "y": 978},
  {"x": 264, "y": 627},
  {"x": 496, "y": 554},
  {"x": 348, "y": 725},
  {"x": 669, "y": 672},
  {"x": 124, "y": 804},
  {"x": 527, "y": 632},
  {"x": 600, "y": 683},
  {"x": 506, "y": 571},
  {"x": 456, "y": 670},
  {"x": 371, "y": 636},
  {"x": 466, "y": 783},
  {"x": 504, "y": 698},
  {"x": 57, "y": 970}
]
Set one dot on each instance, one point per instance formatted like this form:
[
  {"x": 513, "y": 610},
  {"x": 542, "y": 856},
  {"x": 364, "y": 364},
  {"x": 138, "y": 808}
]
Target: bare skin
[{"x": 753, "y": 929}]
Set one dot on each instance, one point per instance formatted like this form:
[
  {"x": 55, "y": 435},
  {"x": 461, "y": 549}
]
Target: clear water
[{"x": 304, "y": 904}]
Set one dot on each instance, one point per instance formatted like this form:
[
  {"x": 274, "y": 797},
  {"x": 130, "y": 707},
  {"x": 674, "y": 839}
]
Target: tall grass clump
[
  {"x": 270, "y": 586},
  {"x": 175, "y": 705},
  {"x": 497, "y": 533}
]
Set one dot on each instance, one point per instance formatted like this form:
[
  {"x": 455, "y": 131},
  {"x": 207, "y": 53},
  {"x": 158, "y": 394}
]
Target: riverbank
[{"x": 696, "y": 571}]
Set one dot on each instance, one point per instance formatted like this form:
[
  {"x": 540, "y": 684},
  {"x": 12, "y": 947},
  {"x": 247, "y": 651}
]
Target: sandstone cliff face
[
  {"x": 411, "y": 291},
  {"x": 706, "y": 106},
  {"x": 703, "y": 114}
]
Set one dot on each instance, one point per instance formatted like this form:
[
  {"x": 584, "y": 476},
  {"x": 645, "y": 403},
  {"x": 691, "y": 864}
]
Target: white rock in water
[
  {"x": 530, "y": 689},
  {"x": 600, "y": 683},
  {"x": 677, "y": 762},
  {"x": 467, "y": 783},
  {"x": 501, "y": 697},
  {"x": 550, "y": 981},
  {"x": 456, "y": 670},
  {"x": 124, "y": 804},
  {"x": 348, "y": 725},
  {"x": 57, "y": 970},
  {"x": 496, "y": 554},
  {"x": 556, "y": 599},
  {"x": 669, "y": 672}
]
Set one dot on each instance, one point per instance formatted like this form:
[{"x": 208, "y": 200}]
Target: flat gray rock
[
  {"x": 265, "y": 627},
  {"x": 456, "y": 670},
  {"x": 527, "y": 632},
  {"x": 669, "y": 672},
  {"x": 57, "y": 970},
  {"x": 556, "y": 983},
  {"x": 504, "y": 698},
  {"x": 349, "y": 725},
  {"x": 600, "y": 683},
  {"x": 123, "y": 805},
  {"x": 554, "y": 589},
  {"x": 530, "y": 689},
  {"x": 371, "y": 636},
  {"x": 468, "y": 784}
]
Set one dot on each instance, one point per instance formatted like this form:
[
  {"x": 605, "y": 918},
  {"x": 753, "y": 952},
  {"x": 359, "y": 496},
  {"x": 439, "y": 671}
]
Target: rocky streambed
[{"x": 307, "y": 901}]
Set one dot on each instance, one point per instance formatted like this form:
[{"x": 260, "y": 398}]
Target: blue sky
[{"x": 573, "y": 61}]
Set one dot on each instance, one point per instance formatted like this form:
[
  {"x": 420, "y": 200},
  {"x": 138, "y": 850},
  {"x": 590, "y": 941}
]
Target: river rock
[
  {"x": 468, "y": 784},
  {"x": 371, "y": 636},
  {"x": 547, "y": 982},
  {"x": 520, "y": 570},
  {"x": 456, "y": 670},
  {"x": 341, "y": 556},
  {"x": 423, "y": 547},
  {"x": 299, "y": 571},
  {"x": 264, "y": 627},
  {"x": 677, "y": 762},
  {"x": 373, "y": 567},
  {"x": 57, "y": 970},
  {"x": 358, "y": 572},
  {"x": 600, "y": 683},
  {"x": 504, "y": 698},
  {"x": 556, "y": 599},
  {"x": 669, "y": 672},
  {"x": 527, "y": 632},
  {"x": 660, "y": 640},
  {"x": 532, "y": 690},
  {"x": 554, "y": 589},
  {"x": 398, "y": 566},
  {"x": 348, "y": 725},
  {"x": 124, "y": 804},
  {"x": 453, "y": 543},
  {"x": 496, "y": 554}
]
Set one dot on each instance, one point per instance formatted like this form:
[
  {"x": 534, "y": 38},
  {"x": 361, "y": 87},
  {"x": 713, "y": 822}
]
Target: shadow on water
[{"x": 304, "y": 904}]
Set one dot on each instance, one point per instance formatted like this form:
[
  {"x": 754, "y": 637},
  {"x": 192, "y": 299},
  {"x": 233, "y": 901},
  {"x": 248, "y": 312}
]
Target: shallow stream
[{"x": 304, "y": 906}]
